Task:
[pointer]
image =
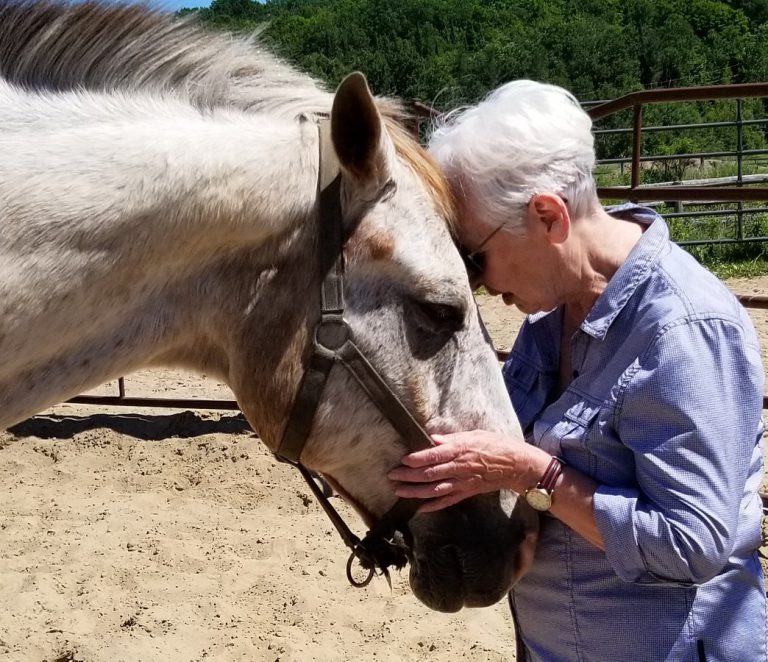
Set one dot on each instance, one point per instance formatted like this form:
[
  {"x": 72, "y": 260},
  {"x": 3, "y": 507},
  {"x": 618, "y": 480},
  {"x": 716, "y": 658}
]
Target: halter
[{"x": 333, "y": 344}]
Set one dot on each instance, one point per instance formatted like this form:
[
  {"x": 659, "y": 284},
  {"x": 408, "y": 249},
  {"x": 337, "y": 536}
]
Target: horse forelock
[{"x": 425, "y": 167}]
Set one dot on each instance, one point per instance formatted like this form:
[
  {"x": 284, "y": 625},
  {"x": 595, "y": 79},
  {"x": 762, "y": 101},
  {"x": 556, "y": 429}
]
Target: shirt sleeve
[{"x": 691, "y": 415}]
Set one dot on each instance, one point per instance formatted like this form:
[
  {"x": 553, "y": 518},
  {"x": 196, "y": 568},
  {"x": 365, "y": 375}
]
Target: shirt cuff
[{"x": 614, "y": 509}]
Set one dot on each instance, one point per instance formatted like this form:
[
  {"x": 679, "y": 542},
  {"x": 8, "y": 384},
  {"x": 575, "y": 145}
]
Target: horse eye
[{"x": 438, "y": 318}]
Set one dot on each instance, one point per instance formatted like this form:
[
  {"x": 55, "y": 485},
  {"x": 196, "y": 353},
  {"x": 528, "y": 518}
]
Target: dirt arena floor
[{"x": 166, "y": 535}]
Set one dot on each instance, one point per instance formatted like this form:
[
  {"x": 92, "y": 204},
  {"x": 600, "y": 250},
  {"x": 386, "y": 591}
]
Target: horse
[{"x": 160, "y": 206}]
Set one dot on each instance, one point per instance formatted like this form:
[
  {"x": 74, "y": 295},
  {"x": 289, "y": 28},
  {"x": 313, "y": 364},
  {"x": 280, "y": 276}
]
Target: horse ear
[{"x": 356, "y": 130}]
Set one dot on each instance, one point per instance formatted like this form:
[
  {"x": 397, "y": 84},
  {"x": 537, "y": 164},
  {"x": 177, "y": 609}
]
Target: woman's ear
[{"x": 550, "y": 210}]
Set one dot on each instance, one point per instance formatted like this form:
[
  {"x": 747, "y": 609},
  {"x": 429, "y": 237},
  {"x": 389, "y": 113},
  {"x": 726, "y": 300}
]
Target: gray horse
[{"x": 158, "y": 206}]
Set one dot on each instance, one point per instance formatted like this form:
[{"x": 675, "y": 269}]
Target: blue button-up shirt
[{"x": 664, "y": 412}]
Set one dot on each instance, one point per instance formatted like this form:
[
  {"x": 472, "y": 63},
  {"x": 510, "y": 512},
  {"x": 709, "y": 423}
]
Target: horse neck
[{"x": 148, "y": 203}]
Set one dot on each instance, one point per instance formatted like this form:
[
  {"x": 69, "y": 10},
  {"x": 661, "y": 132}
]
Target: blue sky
[{"x": 174, "y": 5}]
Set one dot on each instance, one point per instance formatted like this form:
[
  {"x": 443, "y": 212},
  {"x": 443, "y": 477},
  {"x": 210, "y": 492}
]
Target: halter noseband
[{"x": 333, "y": 344}]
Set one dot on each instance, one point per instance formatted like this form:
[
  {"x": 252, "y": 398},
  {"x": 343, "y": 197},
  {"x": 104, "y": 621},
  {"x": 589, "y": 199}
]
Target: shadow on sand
[{"x": 152, "y": 428}]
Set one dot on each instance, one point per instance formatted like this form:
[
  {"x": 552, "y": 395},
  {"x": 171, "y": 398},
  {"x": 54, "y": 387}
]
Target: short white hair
[{"x": 523, "y": 138}]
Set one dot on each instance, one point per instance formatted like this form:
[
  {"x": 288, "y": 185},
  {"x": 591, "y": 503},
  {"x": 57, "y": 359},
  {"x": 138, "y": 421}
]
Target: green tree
[{"x": 451, "y": 52}]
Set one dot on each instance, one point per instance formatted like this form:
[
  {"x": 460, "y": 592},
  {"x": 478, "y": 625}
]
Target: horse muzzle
[{"x": 471, "y": 554}]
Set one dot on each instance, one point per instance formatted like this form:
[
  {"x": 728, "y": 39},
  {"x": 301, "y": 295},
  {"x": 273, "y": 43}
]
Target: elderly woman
[{"x": 638, "y": 381}]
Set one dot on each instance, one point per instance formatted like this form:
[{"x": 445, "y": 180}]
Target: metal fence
[
  {"x": 123, "y": 400},
  {"x": 709, "y": 196}
]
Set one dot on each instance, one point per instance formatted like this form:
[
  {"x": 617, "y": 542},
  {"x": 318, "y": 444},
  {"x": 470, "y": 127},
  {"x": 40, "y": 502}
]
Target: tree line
[{"x": 452, "y": 52}]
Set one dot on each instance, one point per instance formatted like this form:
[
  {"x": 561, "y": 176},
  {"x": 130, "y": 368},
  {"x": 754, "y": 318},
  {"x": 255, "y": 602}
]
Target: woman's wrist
[{"x": 536, "y": 465}]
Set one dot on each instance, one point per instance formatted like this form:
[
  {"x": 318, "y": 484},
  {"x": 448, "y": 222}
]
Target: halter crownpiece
[{"x": 333, "y": 344}]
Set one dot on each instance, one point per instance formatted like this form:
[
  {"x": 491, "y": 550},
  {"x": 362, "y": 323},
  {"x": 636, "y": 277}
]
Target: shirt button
[{"x": 575, "y": 374}]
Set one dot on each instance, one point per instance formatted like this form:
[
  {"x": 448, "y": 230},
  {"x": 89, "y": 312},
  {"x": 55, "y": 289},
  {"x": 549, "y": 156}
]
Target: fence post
[
  {"x": 638, "y": 124},
  {"x": 739, "y": 166}
]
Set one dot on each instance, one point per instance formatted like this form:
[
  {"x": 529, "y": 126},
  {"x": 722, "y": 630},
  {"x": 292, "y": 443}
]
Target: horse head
[{"x": 410, "y": 310}]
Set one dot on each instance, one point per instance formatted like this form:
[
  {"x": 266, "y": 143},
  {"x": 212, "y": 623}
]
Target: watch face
[{"x": 538, "y": 499}]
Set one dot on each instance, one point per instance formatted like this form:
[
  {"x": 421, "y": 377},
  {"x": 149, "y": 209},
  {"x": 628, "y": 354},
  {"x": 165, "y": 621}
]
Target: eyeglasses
[{"x": 474, "y": 261}]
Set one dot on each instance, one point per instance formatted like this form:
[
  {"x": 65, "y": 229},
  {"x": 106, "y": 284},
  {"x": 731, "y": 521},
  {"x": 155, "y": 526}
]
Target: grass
[
  {"x": 747, "y": 269},
  {"x": 746, "y": 259}
]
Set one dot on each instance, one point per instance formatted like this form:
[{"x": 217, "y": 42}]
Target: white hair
[{"x": 523, "y": 138}]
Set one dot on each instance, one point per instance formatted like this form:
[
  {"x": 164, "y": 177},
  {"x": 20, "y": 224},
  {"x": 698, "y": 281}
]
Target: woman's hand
[{"x": 464, "y": 464}]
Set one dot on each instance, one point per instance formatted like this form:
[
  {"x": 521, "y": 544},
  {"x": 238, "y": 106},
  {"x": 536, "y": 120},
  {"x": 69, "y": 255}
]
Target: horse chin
[{"x": 465, "y": 557}]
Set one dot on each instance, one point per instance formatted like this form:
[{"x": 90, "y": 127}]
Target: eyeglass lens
[{"x": 474, "y": 261}]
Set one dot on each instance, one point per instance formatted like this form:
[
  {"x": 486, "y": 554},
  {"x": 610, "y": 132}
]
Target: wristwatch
[{"x": 540, "y": 497}]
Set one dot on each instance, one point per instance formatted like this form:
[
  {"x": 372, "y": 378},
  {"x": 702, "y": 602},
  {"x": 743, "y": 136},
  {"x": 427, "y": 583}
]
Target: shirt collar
[{"x": 635, "y": 269}]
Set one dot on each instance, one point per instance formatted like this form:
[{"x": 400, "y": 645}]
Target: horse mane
[{"x": 54, "y": 46}]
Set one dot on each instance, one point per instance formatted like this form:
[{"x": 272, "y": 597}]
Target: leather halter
[{"x": 333, "y": 344}]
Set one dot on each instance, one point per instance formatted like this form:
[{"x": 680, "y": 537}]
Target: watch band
[{"x": 549, "y": 479}]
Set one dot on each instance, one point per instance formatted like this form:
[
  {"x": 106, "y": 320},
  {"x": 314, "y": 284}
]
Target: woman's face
[{"x": 522, "y": 265}]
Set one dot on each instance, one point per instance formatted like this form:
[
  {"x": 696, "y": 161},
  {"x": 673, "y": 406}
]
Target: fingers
[
  {"x": 435, "y": 455},
  {"x": 447, "y": 447},
  {"x": 425, "y": 491},
  {"x": 439, "y": 494},
  {"x": 425, "y": 474},
  {"x": 455, "y": 488}
]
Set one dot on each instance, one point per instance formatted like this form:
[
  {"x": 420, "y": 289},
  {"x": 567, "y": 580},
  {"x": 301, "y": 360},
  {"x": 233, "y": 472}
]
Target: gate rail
[
  {"x": 122, "y": 400},
  {"x": 637, "y": 101}
]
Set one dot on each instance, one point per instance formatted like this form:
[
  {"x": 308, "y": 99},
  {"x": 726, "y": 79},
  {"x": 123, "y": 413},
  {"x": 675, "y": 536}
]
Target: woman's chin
[{"x": 525, "y": 306}]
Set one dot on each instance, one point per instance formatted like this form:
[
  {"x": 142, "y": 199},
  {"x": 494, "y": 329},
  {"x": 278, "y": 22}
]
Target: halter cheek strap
[{"x": 333, "y": 344}]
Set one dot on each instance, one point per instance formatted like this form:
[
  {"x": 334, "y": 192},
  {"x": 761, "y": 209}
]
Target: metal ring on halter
[
  {"x": 352, "y": 580},
  {"x": 331, "y": 332}
]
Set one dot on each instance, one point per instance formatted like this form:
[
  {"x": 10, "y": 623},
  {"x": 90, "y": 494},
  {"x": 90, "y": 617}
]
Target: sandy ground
[{"x": 162, "y": 535}]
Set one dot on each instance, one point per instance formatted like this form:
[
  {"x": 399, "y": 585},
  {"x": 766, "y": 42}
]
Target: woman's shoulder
[
  {"x": 695, "y": 289},
  {"x": 672, "y": 277},
  {"x": 678, "y": 292}
]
